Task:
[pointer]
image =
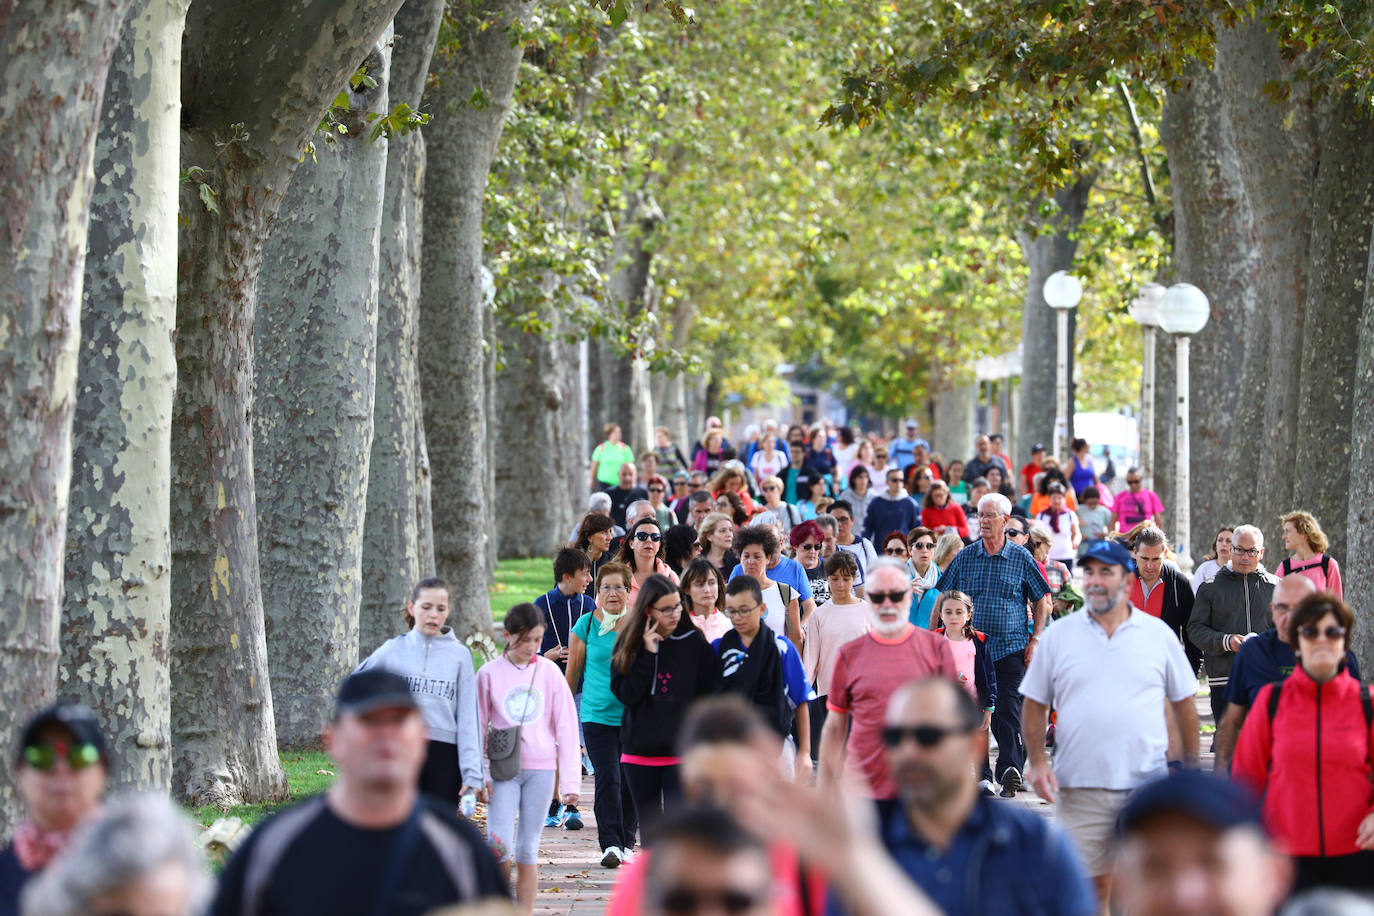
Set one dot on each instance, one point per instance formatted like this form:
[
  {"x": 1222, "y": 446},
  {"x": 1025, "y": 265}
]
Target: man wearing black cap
[
  {"x": 1109, "y": 672},
  {"x": 371, "y": 844},
  {"x": 61, "y": 771},
  {"x": 1192, "y": 844}
]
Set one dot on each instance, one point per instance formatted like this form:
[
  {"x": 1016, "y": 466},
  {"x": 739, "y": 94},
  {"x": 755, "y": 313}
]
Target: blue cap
[
  {"x": 1201, "y": 796},
  {"x": 1108, "y": 551}
]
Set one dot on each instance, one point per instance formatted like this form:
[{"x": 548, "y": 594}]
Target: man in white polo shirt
[{"x": 1109, "y": 672}]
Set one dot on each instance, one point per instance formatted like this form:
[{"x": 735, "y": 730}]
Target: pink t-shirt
[
  {"x": 541, "y": 700},
  {"x": 1133, "y": 508},
  {"x": 866, "y": 673},
  {"x": 1328, "y": 581},
  {"x": 964, "y": 652},
  {"x": 831, "y": 626}
]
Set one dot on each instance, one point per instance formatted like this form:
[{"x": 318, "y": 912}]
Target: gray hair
[
  {"x": 1151, "y": 536},
  {"x": 638, "y": 506},
  {"x": 132, "y": 837},
  {"x": 1251, "y": 530},
  {"x": 599, "y": 500},
  {"x": 996, "y": 499},
  {"x": 768, "y": 517},
  {"x": 826, "y": 520}
]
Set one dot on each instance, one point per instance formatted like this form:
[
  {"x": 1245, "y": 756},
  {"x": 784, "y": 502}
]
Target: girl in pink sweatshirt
[{"x": 523, "y": 688}]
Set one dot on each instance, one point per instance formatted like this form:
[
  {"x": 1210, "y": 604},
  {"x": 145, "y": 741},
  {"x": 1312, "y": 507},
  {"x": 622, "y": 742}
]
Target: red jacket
[
  {"x": 1312, "y": 766},
  {"x": 952, "y": 515}
]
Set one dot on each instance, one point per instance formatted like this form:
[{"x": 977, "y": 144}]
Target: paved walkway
[{"x": 572, "y": 881}]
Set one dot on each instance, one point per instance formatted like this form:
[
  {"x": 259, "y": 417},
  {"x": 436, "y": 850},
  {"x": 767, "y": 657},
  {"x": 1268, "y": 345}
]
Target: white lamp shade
[
  {"x": 1184, "y": 309},
  {"x": 1062, "y": 290},
  {"x": 1145, "y": 308}
]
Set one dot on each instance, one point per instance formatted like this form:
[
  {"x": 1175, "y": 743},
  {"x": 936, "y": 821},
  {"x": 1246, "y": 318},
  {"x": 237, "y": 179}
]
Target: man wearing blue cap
[
  {"x": 1192, "y": 844},
  {"x": 1109, "y": 673}
]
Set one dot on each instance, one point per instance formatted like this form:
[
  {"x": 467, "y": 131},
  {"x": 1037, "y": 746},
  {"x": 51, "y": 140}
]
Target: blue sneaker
[
  {"x": 572, "y": 818},
  {"x": 587, "y": 768},
  {"x": 553, "y": 818}
]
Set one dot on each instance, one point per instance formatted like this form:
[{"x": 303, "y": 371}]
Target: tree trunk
[
  {"x": 598, "y": 410},
  {"x": 1342, "y": 215},
  {"x": 571, "y": 428},
  {"x": 1275, "y": 145},
  {"x": 1212, "y": 228},
  {"x": 236, "y": 55},
  {"x": 315, "y": 342},
  {"x": 1357, "y": 567},
  {"x": 57, "y": 55},
  {"x": 1046, "y": 251},
  {"x": 625, "y": 377},
  {"x": 478, "y": 61},
  {"x": 118, "y": 601},
  {"x": 391, "y": 534},
  {"x": 953, "y": 417}
]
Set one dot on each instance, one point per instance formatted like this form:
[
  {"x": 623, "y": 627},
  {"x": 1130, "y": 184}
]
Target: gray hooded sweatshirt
[{"x": 444, "y": 684}]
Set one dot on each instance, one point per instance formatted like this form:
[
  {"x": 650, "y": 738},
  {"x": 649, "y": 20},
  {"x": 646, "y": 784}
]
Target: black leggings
[
  {"x": 441, "y": 775},
  {"x": 653, "y": 789},
  {"x": 1353, "y": 872},
  {"x": 616, "y": 822}
]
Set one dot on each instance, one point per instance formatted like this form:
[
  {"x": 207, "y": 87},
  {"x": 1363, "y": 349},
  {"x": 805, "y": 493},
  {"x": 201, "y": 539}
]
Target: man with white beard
[
  {"x": 1109, "y": 673},
  {"x": 869, "y": 670}
]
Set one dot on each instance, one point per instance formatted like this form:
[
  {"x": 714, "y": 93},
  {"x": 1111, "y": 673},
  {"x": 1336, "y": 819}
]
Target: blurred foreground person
[
  {"x": 63, "y": 767},
  {"x": 1191, "y": 845},
  {"x": 704, "y": 862},
  {"x": 136, "y": 858},
  {"x": 371, "y": 844}
]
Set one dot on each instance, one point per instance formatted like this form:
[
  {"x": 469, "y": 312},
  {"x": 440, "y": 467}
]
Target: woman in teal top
[
  {"x": 589, "y": 661},
  {"x": 608, "y": 458}
]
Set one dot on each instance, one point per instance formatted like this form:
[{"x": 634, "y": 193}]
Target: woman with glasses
[
  {"x": 642, "y": 551},
  {"x": 658, "y": 492},
  {"x": 920, "y": 566},
  {"x": 661, "y": 664},
  {"x": 61, "y": 771},
  {"x": 894, "y": 546},
  {"x": 787, "y": 515},
  {"x": 589, "y": 665},
  {"x": 940, "y": 514},
  {"x": 807, "y": 540},
  {"x": 1305, "y": 748},
  {"x": 716, "y": 540}
]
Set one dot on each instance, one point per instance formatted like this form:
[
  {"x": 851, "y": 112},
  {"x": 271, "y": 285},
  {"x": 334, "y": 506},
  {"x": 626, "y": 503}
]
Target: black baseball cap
[
  {"x": 376, "y": 688},
  {"x": 1210, "y": 799},
  {"x": 76, "y": 718},
  {"x": 1037, "y": 447}
]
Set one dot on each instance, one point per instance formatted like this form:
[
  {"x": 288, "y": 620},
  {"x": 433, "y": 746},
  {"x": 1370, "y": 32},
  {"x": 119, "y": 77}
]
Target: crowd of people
[{"x": 799, "y": 693}]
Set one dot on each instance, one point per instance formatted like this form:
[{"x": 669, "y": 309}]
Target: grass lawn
[
  {"x": 519, "y": 581},
  {"x": 307, "y": 773}
]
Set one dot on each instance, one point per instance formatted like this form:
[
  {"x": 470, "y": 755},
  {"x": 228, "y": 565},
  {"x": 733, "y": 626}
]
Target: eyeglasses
[
  {"x": 924, "y": 545},
  {"x": 646, "y": 536},
  {"x": 681, "y": 901},
  {"x": 1246, "y": 551},
  {"x": 694, "y": 486},
  {"x": 808, "y": 546},
  {"x": 894, "y": 480},
  {"x": 43, "y": 757},
  {"x": 877, "y": 598},
  {"x": 992, "y": 517},
  {"x": 613, "y": 588},
  {"x": 771, "y": 488},
  {"x": 741, "y": 611},
  {"x": 924, "y": 477},
  {"x": 924, "y": 735},
  {"x": 1311, "y": 631},
  {"x": 843, "y": 519},
  {"x": 669, "y": 611}
]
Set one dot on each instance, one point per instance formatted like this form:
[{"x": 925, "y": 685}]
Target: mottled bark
[
  {"x": 1342, "y": 216},
  {"x": 1212, "y": 250},
  {"x": 52, "y": 77},
  {"x": 391, "y": 535},
  {"x": 477, "y": 60},
  {"x": 953, "y": 415},
  {"x": 424, "y": 495},
  {"x": 315, "y": 344},
  {"x": 1275, "y": 144},
  {"x": 236, "y": 56},
  {"x": 1048, "y": 246},
  {"x": 571, "y": 428},
  {"x": 1357, "y": 567},
  {"x": 117, "y": 609},
  {"x": 625, "y": 375}
]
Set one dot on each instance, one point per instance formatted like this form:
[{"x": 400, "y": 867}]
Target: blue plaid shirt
[{"x": 1000, "y": 584}]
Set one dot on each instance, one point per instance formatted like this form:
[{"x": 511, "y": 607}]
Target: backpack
[
  {"x": 1365, "y": 702},
  {"x": 1286, "y": 567}
]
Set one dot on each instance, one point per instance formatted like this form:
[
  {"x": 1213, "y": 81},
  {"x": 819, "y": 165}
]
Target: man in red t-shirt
[
  {"x": 1031, "y": 469},
  {"x": 869, "y": 670}
]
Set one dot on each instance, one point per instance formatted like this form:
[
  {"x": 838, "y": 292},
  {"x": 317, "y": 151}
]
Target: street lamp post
[
  {"x": 1183, "y": 311},
  {"x": 1062, "y": 293},
  {"x": 1145, "y": 311}
]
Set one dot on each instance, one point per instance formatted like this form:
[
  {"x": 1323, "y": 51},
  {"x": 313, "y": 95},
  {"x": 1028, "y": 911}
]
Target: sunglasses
[
  {"x": 809, "y": 547},
  {"x": 655, "y": 489},
  {"x": 1311, "y": 631},
  {"x": 1133, "y": 482},
  {"x": 43, "y": 757},
  {"x": 1015, "y": 533},
  {"x": 642, "y": 536},
  {"x": 877, "y": 598},
  {"x": 924, "y": 735},
  {"x": 682, "y": 901}
]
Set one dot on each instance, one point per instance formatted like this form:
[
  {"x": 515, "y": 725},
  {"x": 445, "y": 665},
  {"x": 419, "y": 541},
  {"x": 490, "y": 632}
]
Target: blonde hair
[
  {"x": 1305, "y": 524},
  {"x": 771, "y": 481},
  {"x": 946, "y": 547},
  {"x": 709, "y": 525},
  {"x": 606, "y": 430}
]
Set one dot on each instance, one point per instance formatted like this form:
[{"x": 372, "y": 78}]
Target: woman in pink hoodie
[{"x": 524, "y": 688}]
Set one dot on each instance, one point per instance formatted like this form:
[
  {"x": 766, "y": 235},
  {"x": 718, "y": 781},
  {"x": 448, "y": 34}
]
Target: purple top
[{"x": 1082, "y": 476}]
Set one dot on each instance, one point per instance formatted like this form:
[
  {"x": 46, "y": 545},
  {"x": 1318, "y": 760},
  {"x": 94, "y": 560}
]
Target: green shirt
[
  {"x": 609, "y": 458},
  {"x": 599, "y": 705}
]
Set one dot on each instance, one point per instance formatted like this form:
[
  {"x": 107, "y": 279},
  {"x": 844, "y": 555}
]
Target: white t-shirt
[
  {"x": 775, "y": 612},
  {"x": 862, "y": 551},
  {"x": 1109, "y": 693},
  {"x": 764, "y": 466},
  {"x": 1061, "y": 542},
  {"x": 1207, "y": 570}
]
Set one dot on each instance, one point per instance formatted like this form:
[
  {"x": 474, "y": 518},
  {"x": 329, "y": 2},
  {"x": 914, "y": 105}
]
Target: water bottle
[{"x": 467, "y": 805}]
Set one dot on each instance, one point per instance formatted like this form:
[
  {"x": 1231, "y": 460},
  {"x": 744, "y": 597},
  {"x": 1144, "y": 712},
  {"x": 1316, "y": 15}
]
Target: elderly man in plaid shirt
[{"x": 1002, "y": 579}]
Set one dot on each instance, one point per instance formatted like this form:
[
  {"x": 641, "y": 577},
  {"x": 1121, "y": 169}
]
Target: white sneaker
[
  {"x": 612, "y": 857},
  {"x": 985, "y": 788},
  {"x": 627, "y": 854}
]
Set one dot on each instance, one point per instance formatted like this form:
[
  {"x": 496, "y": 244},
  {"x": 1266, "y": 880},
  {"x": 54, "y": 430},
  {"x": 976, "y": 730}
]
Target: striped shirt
[{"x": 1000, "y": 585}]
